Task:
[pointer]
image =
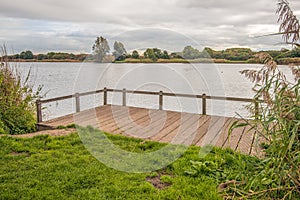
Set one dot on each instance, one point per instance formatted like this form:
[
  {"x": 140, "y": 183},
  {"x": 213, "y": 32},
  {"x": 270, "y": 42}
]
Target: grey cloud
[
  {"x": 233, "y": 5},
  {"x": 149, "y": 38}
]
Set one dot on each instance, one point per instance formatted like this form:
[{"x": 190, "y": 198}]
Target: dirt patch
[
  {"x": 157, "y": 181},
  {"x": 57, "y": 132}
]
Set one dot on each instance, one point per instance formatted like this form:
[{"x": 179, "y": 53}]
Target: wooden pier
[{"x": 158, "y": 125}]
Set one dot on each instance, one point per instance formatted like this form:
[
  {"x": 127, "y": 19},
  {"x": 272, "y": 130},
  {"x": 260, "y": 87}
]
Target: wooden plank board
[
  {"x": 188, "y": 135},
  {"x": 127, "y": 121},
  {"x": 210, "y": 130},
  {"x": 201, "y": 131},
  {"x": 176, "y": 136},
  {"x": 223, "y": 137},
  {"x": 149, "y": 127},
  {"x": 120, "y": 124},
  {"x": 115, "y": 117},
  {"x": 92, "y": 118},
  {"x": 214, "y": 131},
  {"x": 168, "y": 127},
  {"x": 69, "y": 119}
]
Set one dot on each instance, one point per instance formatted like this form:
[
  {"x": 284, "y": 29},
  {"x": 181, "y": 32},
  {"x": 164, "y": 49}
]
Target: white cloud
[{"x": 73, "y": 25}]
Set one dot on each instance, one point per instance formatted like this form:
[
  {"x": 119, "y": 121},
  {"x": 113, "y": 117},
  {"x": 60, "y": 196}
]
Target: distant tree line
[
  {"x": 28, "y": 55},
  {"x": 101, "y": 49},
  {"x": 101, "y": 53}
]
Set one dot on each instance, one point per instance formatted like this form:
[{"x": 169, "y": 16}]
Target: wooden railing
[{"x": 124, "y": 92}]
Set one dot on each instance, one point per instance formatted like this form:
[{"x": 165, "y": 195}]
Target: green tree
[
  {"x": 190, "y": 53},
  {"x": 176, "y": 55},
  {"x": 120, "y": 51},
  {"x": 158, "y": 53},
  {"x": 26, "y": 55},
  {"x": 16, "y": 56},
  {"x": 209, "y": 52},
  {"x": 100, "y": 49},
  {"x": 41, "y": 56},
  {"x": 273, "y": 53},
  {"x": 294, "y": 53},
  {"x": 135, "y": 54},
  {"x": 50, "y": 55},
  {"x": 166, "y": 55},
  {"x": 149, "y": 53},
  {"x": 237, "y": 54}
]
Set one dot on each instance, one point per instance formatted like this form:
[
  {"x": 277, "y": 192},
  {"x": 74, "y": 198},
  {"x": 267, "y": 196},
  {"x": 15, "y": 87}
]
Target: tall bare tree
[{"x": 100, "y": 49}]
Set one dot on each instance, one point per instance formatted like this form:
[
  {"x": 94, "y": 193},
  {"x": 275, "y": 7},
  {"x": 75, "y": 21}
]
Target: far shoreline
[
  {"x": 295, "y": 61},
  {"x": 137, "y": 61}
]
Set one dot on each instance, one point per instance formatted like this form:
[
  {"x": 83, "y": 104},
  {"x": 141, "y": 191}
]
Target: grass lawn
[{"x": 47, "y": 167}]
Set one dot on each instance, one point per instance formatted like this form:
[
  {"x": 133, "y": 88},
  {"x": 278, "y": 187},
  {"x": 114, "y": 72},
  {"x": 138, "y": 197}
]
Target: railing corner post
[
  {"x": 39, "y": 111},
  {"x": 105, "y": 96},
  {"x": 203, "y": 104},
  {"x": 124, "y": 97},
  {"x": 160, "y": 100},
  {"x": 77, "y": 101}
]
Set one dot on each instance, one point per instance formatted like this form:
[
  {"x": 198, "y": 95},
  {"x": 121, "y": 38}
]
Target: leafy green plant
[
  {"x": 226, "y": 167},
  {"x": 205, "y": 167},
  {"x": 17, "y": 97}
]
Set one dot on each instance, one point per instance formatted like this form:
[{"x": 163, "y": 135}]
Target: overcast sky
[{"x": 73, "y": 25}]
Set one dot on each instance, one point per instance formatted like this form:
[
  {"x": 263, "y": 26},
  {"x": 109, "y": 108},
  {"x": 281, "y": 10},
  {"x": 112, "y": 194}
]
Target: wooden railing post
[
  {"x": 203, "y": 104},
  {"x": 77, "y": 101},
  {"x": 160, "y": 100},
  {"x": 105, "y": 96},
  {"x": 124, "y": 97},
  {"x": 39, "y": 111}
]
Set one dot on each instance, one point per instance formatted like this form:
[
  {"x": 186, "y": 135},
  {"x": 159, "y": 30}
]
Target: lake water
[{"x": 59, "y": 79}]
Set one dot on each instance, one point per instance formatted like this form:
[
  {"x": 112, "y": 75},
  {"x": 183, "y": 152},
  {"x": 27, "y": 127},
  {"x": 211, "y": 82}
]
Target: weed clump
[
  {"x": 17, "y": 98},
  {"x": 277, "y": 122}
]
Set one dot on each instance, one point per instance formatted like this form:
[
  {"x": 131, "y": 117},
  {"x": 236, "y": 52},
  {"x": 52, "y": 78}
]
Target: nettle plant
[{"x": 278, "y": 121}]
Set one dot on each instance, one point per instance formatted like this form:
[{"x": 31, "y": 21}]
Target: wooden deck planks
[
  {"x": 171, "y": 124},
  {"x": 118, "y": 118},
  {"x": 176, "y": 128},
  {"x": 163, "y": 126},
  {"x": 151, "y": 126}
]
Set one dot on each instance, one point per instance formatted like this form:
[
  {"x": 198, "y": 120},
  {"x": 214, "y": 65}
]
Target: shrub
[
  {"x": 277, "y": 122},
  {"x": 287, "y": 61},
  {"x": 17, "y": 115}
]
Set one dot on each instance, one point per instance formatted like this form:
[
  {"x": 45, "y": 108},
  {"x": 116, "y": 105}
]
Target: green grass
[{"x": 46, "y": 167}]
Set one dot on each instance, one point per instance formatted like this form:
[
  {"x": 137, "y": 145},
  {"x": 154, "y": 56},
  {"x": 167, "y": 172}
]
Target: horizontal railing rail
[{"x": 124, "y": 92}]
